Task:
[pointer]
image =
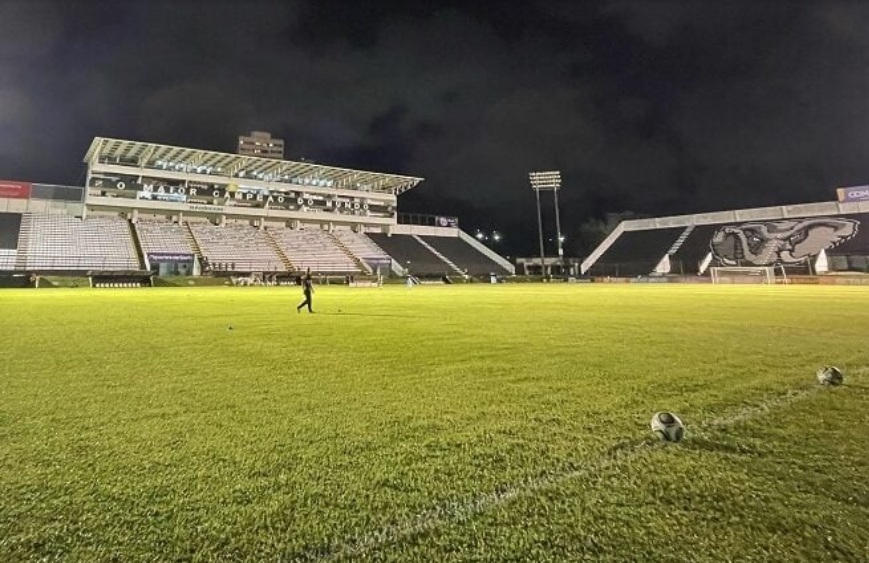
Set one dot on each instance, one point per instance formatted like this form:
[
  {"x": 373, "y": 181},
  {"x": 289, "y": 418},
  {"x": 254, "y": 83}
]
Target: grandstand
[
  {"x": 237, "y": 248},
  {"x": 316, "y": 250},
  {"x": 370, "y": 256},
  {"x": 150, "y": 209},
  {"x": 812, "y": 239},
  {"x": 159, "y": 237},
  {"x": 63, "y": 243}
]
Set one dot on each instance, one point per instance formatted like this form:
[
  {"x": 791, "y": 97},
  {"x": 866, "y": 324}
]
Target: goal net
[{"x": 743, "y": 274}]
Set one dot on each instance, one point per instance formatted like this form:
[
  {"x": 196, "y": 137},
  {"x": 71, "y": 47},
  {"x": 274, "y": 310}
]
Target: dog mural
[{"x": 786, "y": 242}]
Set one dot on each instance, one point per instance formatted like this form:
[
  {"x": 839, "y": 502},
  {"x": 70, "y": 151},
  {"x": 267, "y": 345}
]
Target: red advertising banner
[{"x": 15, "y": 190}]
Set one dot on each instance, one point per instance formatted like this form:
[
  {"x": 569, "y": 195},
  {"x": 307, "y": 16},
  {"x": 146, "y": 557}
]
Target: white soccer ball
[
  {"x": 830, "y": 375},
  {"x": 667, "y": 427}
]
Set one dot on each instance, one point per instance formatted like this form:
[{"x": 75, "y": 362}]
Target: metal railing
[
  {"x": 427, "y": 220},
  {"x": 32, "y": 263}
]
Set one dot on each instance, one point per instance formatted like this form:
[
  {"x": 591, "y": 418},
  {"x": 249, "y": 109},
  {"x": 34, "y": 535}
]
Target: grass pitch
[{"x": 442, "y": 423}]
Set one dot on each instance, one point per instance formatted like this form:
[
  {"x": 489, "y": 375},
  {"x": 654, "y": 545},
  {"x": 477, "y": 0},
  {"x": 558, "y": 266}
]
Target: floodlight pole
[
  {"x": 558, "y": 229},
  {"x": 550, "y": 180},
  {"x": 540, "y": 234}
]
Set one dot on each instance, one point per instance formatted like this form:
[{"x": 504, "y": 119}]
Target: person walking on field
[{"x": 308, "y": 290}]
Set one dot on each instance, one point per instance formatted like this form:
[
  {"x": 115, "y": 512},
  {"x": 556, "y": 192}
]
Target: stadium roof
[{"x": 156, "y": 156}]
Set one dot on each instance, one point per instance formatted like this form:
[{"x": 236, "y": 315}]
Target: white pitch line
[
  {"x": 761, "y": 408},
  {"x": 460, "y": 511}
]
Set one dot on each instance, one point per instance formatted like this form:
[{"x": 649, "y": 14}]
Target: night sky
[{"x": 652, "y": 107}]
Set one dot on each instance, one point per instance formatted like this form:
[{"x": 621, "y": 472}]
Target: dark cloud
[{"x": 652, "y": 106}]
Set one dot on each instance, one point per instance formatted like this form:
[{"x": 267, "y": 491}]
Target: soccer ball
[
  {"x": 830, "y": 375},
  {"x": 667, "y": 427}
]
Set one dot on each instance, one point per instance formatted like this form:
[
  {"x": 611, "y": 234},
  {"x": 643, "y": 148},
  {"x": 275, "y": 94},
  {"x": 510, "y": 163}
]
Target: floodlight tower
[{"x": 549, "y": 181}]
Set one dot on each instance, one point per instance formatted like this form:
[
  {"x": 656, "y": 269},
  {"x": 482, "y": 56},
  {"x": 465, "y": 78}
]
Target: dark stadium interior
[
  {"x": 10, "y": 225},
  {"x": 686, "y": 260},
  {"x": 636, "y": 253},
  {"x": 409, "y": 253},
  {"x": 465, "y": 256}
]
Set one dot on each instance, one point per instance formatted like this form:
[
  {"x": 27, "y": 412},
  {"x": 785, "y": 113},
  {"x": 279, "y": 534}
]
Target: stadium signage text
[
  {"x": 242, "y": 196},
  {"x": 169, "y": 257},
  {"x": 856, "y": 193}
]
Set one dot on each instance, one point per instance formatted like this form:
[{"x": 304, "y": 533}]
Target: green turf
[{"x": 440, "y": 423}]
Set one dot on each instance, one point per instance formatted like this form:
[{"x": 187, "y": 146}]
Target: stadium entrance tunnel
[{"x": 121, "y": 280}]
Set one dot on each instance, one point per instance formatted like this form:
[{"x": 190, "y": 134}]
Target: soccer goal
[{"x": 743, "y": 274}]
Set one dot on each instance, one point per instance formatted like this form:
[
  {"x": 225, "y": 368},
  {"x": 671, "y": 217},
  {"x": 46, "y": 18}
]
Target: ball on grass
[
  {"x": 830, "y": 375},
  {"x": 667, "y": 427}
]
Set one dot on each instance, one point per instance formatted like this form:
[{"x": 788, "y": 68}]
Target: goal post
[{"x": 742, "y": 274}]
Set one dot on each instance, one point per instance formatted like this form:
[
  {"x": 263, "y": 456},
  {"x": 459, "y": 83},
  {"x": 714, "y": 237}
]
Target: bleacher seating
[
  {"x": 636, "y": 253},
  {"x": 464, "y": 256},
  {"x": 361, "y": 246},
  {"x": 61, "y": 242},
  {"x": 687, "y": 258},
  {"x": 237, "y": 248},
  {"x": 163, "y": 237},
  {"x": 314, "y": 249},
  {"x": 409, "y": 252},
  {"x": 7, "y": 259}
]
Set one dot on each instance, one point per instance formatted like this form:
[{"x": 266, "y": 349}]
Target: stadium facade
[
  {"x": 805, "y": 239},
  {"x": 149, "y": 209},
  {"x": 166, "y": 210}
]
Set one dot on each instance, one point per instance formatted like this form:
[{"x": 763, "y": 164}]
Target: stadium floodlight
[{"x": 548, "y": 181}]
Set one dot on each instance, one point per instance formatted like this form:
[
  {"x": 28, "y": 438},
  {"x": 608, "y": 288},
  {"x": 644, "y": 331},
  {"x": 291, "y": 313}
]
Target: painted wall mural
[{"x": 787, "y": 242}]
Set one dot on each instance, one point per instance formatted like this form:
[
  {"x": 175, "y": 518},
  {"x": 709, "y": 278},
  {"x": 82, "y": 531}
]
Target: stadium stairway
[
  {"x": 137, "y": 246},
  {"x": 678, "y": 243},
  {"x": 358, "y": 261},
  {"x": 285, "y": 260},
  {"x": 23, "y": 243},
  {"x": 194, "y": 244},
  {"x": 446, "y": 260},
  {"x": 693, "y": 257}
]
